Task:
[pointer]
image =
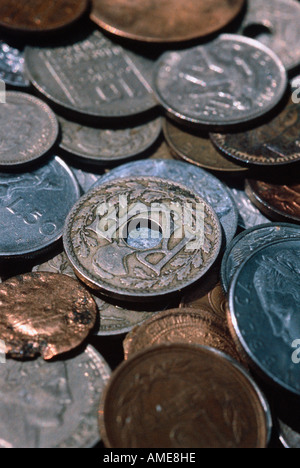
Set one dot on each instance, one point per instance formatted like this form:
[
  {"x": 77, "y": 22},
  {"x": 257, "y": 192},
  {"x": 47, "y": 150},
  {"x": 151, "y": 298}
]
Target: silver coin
[
  {"x": 228, "y": 81},
  {"x": 264, "y": 311},
  {"x": 85, "y": 179},
  {"x": 93, "y": 77},
  {"x": 279, "y": 21},
  {"x": 249, "y": 215},
  {"x": 12, "y": 69},
  {"x": 28, "y": 129},
  {"x": 34, "y": 206},
  {"x": 246, "y": 243},
  {"x": 108, "y": 146},
  {"x": 289, "y": 438},
  {"x": 202, "y": 182},
  {"x": 52, "y": 404}
]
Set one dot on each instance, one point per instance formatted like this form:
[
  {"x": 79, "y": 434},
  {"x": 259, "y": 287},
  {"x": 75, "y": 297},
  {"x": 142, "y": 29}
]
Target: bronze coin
[
  {"x": 44, "y": 314},
  {"x": 195, "y": 326},
  {"x": 275, "y": 143},
  {"x": 164, "y": 20},
  {"x": 198, "y": 150},
  {"x": 40, "y": 15},
  {"x": 183, "y": 396},
  {"x": 278, "y": 201}
]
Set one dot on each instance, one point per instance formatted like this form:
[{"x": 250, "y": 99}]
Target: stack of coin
[{"x": 149, "y": 213}]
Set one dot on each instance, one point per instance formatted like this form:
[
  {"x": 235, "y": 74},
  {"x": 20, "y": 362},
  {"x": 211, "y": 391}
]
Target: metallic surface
[
  {"x": 164, "y": 20},
  {"x": 183, "y": 396},
  {"x": 119, "y": 270},
  {"x": 195, "y": 326},
  {"x": 12, "y": 70},
  {"x": 246, "y": 243},
  {"x": 228, "y": 81},
  {"x": 289, "y": 438},
  {"x": 28, "y": 129},
  {"x": 197, "y": 150},
  {"x": 105, "y": 146},
  {"x": 264, "y": 311},
  {"x": 52, "y": 404},
  {"x": 34, "y": 206},
  {"x": 279, "y": 20},
  {"x": 51, "y": 314},
  {"x": 276, "y": 200},
  {"x": 274, "y": 143},
  {"x": 82, "y": 77},
  {"x": 249, "y": 215},
  {"x": 40, "y": 15},
  {"x": 202, "y": 182}
]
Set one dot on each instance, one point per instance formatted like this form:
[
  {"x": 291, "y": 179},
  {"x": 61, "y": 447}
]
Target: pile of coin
[{"x": 150, "y": 223}]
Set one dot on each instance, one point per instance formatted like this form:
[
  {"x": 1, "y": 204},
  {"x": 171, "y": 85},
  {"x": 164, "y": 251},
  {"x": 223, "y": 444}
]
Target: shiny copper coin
[
  {"x": 183, "y": 396},
  {"x": 164, "y": 20},
  {"x": 198, "y": 150},
  {"x": 275, "y": 143},
  {"x": 195, "y": 326},
  {"x": 278, "y": 201},
  {"x": 44, "y": 314},
  {"x": 40, "y": 15}
]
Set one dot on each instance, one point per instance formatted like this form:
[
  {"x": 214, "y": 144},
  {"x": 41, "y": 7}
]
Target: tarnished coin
[
  {"x": 275, "y": 143},
  {"x": 51, "y": 314},
  {"x": 40, "y": 15},
  {"x": 54, "y": 404},
  {"x": 181, "y": 396},
  {"x": 249, "y": 215},
  {"x": 107, "y": 146},
  {"x": 105, "y": 233},
  {"x": 275, "y": 23},
  {"x": 93, "y": 77},
  {"x": 164, "y": 21},
  {"x": 289, "y": 438},
  {"x": 202, "y": 182},
  {"x": 246, "y": 243},
  {"x": 198, "y": 150},
  {"x": 114, "y": 318},
  {"x": 195, "y": 326},
  {"x": 264, "y": 311},
  {"x": 162, "y": 152},
  {"x": 225, "y": 82},
  {"x": 12, "y": 66},
  {"x": 34, "y": 206},
  {"x": 279, "y": 201},
  {"x": 28, "y": 129}
]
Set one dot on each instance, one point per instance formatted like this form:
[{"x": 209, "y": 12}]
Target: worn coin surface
[
  {"x": 105, "y": 146},
  {"x": 86, "y": 179},
  {"x": 181, "y": 396},
  {"x": 93, "y": 76},
  {"x": 264, "y": 311},
  {"x": 275, "y": 143},
  {"x": 195, "y": 326},
  {"x": 246, "y": 243},
  {"x": 114, "y": 318},
  {"x": 114, "y": 261},
  {"x": 54, "y": 404},
  {"x": 289, "y": 438},
  {"x": 28, "y": 129},
  {"x": 277, "y": 26},
  {"x": 249, "y": 215},
  {"x": 12, "y": 66},
  {"x": 202, "y": 182},
  {"x": 34, "y": 206},
  {"x": 40, "y": 15},
  {"x": 164, "y": 20},
  {"x": 198, "y": 150},
  {"x": 51, "y": 314},
  {"x": 276, "y": 200},
  {"x": 228, "y": 81}
]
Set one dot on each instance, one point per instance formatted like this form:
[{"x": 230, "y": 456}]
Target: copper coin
[
  {"x": 198, "y": 150},
  {"x": 164, "y": 20},
  {"x": 183, "y": 396},
  {"x": 44, "y": 314},
  {"x": 195, "y": 326},
  {"x": 40, "y": 15},
  {"x": 275, "y": 143},
  {"x": 278, "y": 201}
]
